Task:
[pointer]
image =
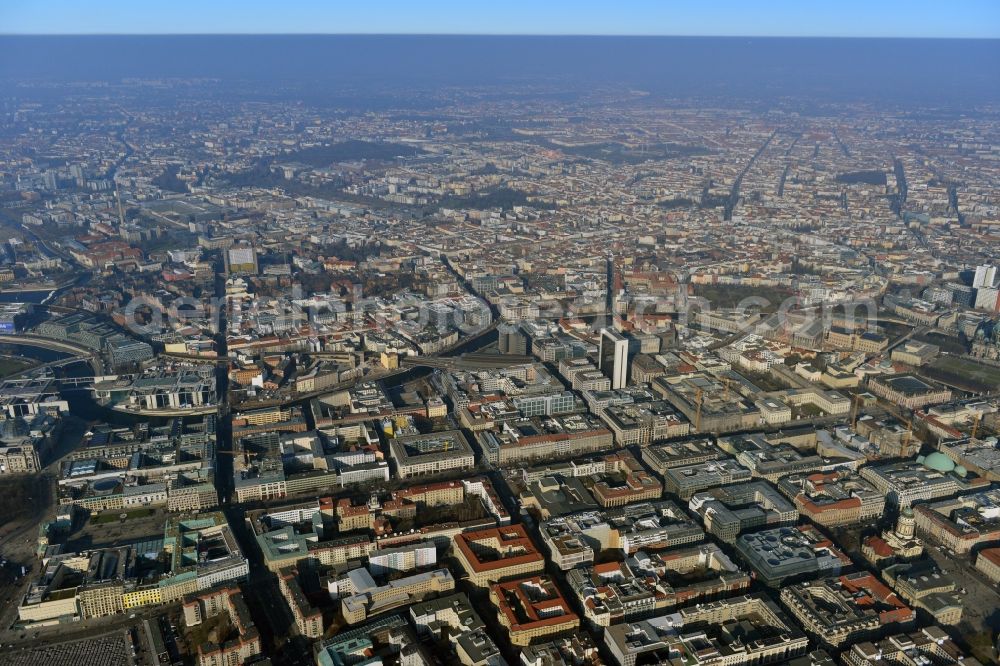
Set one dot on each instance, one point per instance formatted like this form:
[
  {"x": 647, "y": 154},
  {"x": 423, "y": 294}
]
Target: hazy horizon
[
  {"x": 542, "y": 35},
  {"x": 739, "y": 18},
  {"x": 946, "y": 72}
]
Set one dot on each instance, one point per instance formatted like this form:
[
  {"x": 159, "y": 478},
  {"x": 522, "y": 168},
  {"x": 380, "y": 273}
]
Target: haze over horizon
[
  {"x": 977, "y": 19},
  {"x": 945, "y": 73}
]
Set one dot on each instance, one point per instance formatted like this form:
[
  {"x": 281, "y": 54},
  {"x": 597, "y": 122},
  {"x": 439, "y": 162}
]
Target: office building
[
  {"x": 646, "y": 584},
  {"x": 687, "y": 480},
  {"x": 497, "y": 554},
  {"x": 988, "y": 562},
  {"x": 662, "y": 456},
  {"x": 240, "y": 260},
  {"x": 849, "y": 608},
  {"x": 613, "y": 357},
  {"x": 532, "y": 608},
  {"x": 933, "y": 477},
  {"x": 736, "y": 632},
  {"x": 786, "y": 553},
  {"x": 930, "y": 645},
  {"x": 453, "y": 617},
  {"x": 368, "y": 598},
  {"x": 961, "y": 523},
  {"x": 427, "y": 455},
  {"x": 730, "y": 510},
  {"x": 986, "y": 276},
  {"x": 525, "y": 440},
  {"x": 834, "y": 498}
]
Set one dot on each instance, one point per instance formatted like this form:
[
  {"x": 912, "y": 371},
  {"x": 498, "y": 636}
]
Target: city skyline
[{"x": 499, "y": 349}]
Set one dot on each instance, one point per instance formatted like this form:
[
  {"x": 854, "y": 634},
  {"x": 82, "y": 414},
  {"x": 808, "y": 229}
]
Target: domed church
[{"x": 986, "y": 341}]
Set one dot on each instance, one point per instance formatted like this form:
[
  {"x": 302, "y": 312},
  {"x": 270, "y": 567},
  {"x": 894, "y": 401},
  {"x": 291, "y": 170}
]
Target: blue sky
[{"x": 828, "y": 18}]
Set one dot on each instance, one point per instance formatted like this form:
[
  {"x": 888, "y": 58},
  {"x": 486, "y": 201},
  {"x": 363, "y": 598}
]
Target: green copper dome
[{"x": 939, "y": 462}]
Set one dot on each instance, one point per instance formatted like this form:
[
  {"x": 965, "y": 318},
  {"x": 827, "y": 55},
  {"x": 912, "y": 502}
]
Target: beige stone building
[
  {"x": 497, "y": 554},
  {"x": 988, "y": 561},
  {"x": 532, "y": 608}
]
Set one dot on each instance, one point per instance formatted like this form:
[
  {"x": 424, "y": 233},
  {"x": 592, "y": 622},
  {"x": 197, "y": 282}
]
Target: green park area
[
  {"x": 967, "y": 373},
  {"x": 729, "y": 296},
  {"x": 10, "y": 365},
  {"x": 112, "y": 516}
]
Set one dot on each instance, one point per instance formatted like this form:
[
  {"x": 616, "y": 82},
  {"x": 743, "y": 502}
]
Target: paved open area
[{"x": 110, "y": 649}]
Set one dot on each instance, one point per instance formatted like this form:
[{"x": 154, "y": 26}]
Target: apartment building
[
  {"x": 228, "y": 600},
  {"x": 308, "y": 619}
]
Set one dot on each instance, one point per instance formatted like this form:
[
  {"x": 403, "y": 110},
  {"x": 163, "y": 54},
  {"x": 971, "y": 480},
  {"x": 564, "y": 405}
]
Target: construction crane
[
  {"x": 909, "y": 433},
  {"x": 975, "y": 426},
  {"x": 697, "y": 415},
  {"x": 854, "y": 414}
]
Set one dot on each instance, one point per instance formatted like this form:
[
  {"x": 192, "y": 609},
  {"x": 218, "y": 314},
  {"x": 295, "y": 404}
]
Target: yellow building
[
  {"x": 389, "y": 360},
  {"x": 445, "y": 493},
  {"x": 436, "y": 408},
  {"x": 266, "y": 416},
  {"x": 142, "y": 596}
]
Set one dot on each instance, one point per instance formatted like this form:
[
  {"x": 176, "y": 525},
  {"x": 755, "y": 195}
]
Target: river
[
  {"x": 80, "y": 399},
  {"x": 35, "y": 297}
]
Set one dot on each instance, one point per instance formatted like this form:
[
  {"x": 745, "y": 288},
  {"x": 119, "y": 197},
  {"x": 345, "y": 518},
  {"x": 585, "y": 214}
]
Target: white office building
[
  {"x": 986, "y": 276},
  {"x": 613, "y": 357}
]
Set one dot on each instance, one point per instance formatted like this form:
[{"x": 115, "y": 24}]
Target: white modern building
[{"x": 613, "y": 357}]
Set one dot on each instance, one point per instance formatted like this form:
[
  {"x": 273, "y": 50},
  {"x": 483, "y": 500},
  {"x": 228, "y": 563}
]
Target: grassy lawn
[
  {"x": 807, "y": 411},
  {"x": 112, "y": 516},
  {"x": 961, "y": 371},
  {"x": 9, "y": 366},
  {"x": 729, "y": 296},
  {"x": 764, "y": 382}
]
